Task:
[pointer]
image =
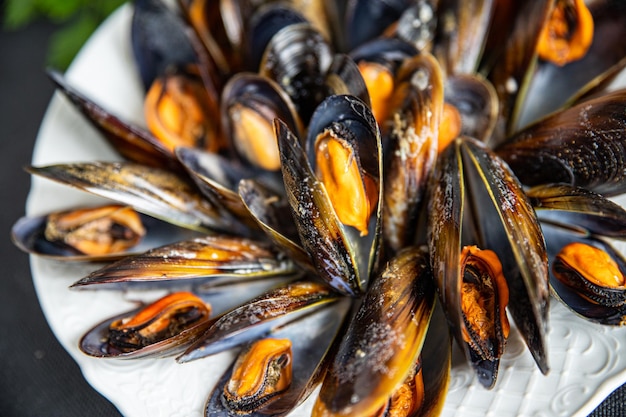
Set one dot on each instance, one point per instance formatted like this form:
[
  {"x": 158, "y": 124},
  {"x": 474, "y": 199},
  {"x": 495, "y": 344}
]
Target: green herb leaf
[
  {"x": 17, "y": 13},
  {"x": 61, "y": 10}
]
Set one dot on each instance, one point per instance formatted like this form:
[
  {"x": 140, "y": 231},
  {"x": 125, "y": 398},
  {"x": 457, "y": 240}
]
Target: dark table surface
[{"x": 37, "y": 376}]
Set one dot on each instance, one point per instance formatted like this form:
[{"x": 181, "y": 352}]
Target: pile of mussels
[{"x": 398, "y": 174}]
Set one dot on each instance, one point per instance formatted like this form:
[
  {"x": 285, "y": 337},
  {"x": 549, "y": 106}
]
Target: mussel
[
  {"x": 501, "y": 219},
  {"x": 592, "y": 273},
  {"x": 176, "y": 111},
  {"x": 335, "y": 190},
  {"x": 586, "y": 270},
  {"x": 250, "y": 103},
  {"x": 411, "y": 136},
  {"x": 261, "y": 373},
  {"x": 157, "y": 192},
  {"x": 310, "y": 344},
  {"x": 218, "y": 259},
  {"x": 587, "y": 275},
  {"x": 159, "y": 327},
  {"x": 94, "y": 232},
  {"x": 383, "y": 340}
]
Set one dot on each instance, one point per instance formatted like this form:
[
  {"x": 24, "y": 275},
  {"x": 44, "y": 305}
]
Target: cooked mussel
[
  {"x": 157, "y": 328},
  {"x": 575, "y": 272},
  {"x": 96, "y": 231},
  {"x": 335, "y": 190},
  {"x": 378, "y": 61},
  {"x": 484, "y": 297},
  {"x": 158, "y": 321},
  {"x": 410, "y": 140},
  {"x": 178, "y": 110},
  {"x": 504, "y": 222},
  {"x": 250, "y": 103},
  {"x": 309, "y": 340},
  {"x": 215, "y": 259},
  {"x": 383, "y": 340},
  {"x": 261, "y": 373},
  {"x": 582, "y": 146},
  {"x": 28, "y": 233},
  {"x": 84, "y": 233},
  {"x": 592, "y": 273},
  {"x": 157, "y": 192},
  {"x": 588, "y": 277}
]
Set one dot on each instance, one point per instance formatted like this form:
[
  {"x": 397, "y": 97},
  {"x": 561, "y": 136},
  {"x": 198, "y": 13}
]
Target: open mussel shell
[
  {"x": 365, "y": 20},
  {"x": 510, "y": 63},
  {"x": 383, "y": 340},
  {"x": 131, "y": 141},
  {"x": 582, "y": 146},
  {"x": 462, "y": 34},
  {"x": 297, "y": 58},
  {"x": 177, "y": 109},
  {"x": 343, "y": 255},
  {"x": 476, "y": 101},
  {"x": 410, "y": 138},
  {"x": 28, "y": 233},
  {"x": 568, "y": 282},
  {"x": 249, "y": 105},
  {"x": 344, "y": 77},
  {"x": 378, "y": 60},
  {"x": 153, "y": 52},
  {"x": 214, "y": 259},
  {"x": 156, "y": 192},
  {"x": 601, "y": 62},
  {"x": 574, "y": 207},
  {"x": 218, "y": 177},
  {"x": 179, "y": 317},
  {"x": 505, "y": 223},
  {"x": 265, "y": 22},
  {"x": 95, "y": 342},
  {"x": 270, "y": 210},
  {"x": 257, "y": 318},
  {"x": 310, "y": 338}
]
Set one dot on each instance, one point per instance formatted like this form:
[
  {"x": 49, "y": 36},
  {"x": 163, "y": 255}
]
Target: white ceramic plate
[{"x": 584, "y": 358}]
